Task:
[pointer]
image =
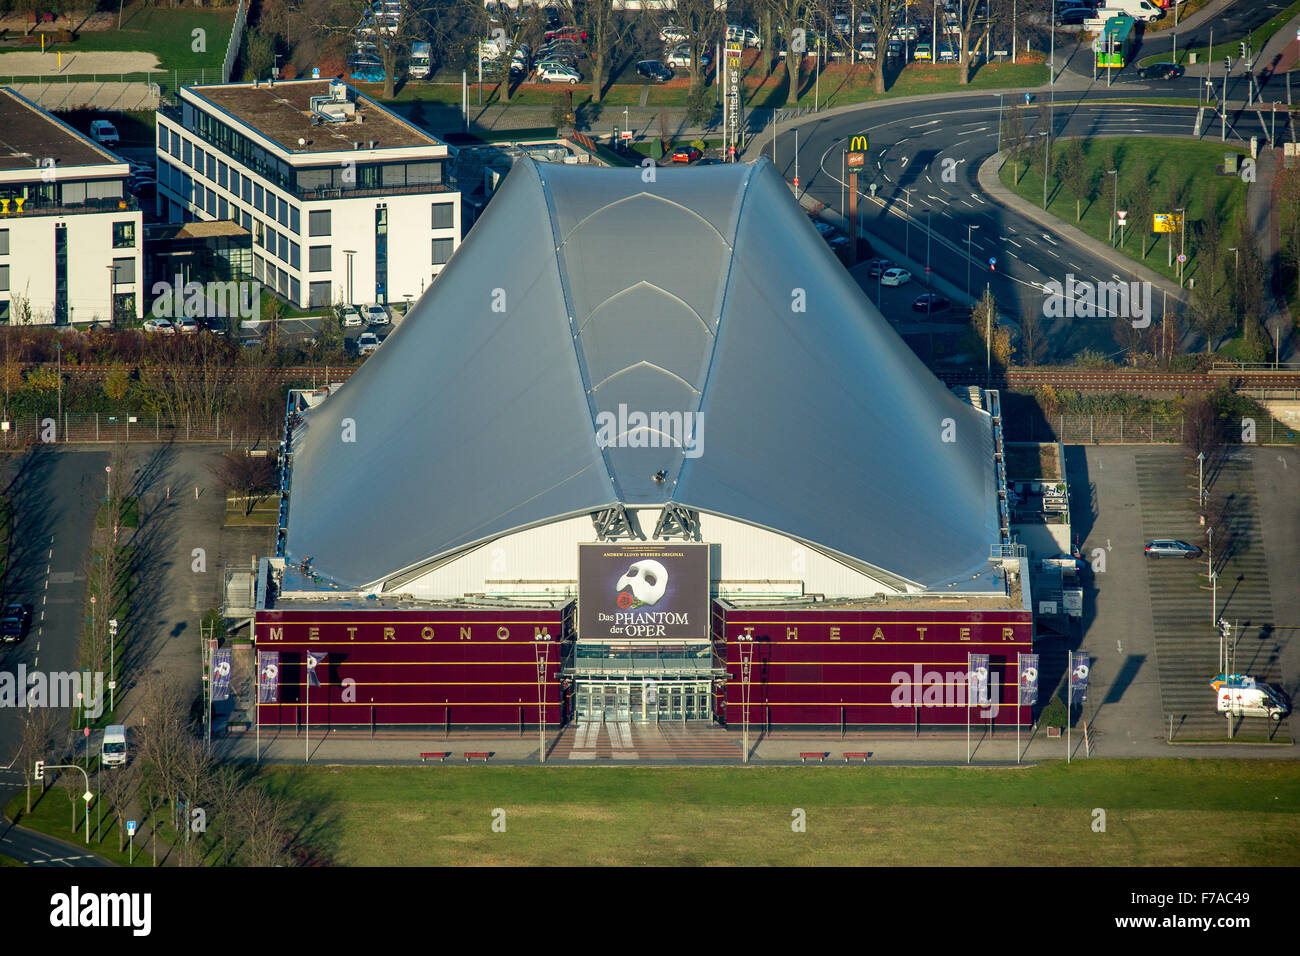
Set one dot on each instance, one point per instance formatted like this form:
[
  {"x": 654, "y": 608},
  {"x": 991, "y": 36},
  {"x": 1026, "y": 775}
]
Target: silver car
[{"x": 1171, "y": 548}]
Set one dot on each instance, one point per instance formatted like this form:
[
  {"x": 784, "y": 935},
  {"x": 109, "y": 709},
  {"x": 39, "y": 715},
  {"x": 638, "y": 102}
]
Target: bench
[
  {"x": 819, "y": 755},
  {"x": 442, "y": 756},
  {"x": 477, "y": 755},
  {"x": 862, "y": 755}
]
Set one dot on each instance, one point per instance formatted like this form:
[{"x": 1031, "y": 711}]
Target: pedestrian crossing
[
  {"x": 1187, "y": 641},
  {"x": 592, "y": 740}
]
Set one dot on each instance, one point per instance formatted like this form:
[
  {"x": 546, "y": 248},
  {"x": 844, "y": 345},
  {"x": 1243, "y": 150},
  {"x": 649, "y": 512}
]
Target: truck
[
  {"x": 1243, "y": 696},
  {"x": 418, "y": 66},
  {"x": 112, "y": 752}
]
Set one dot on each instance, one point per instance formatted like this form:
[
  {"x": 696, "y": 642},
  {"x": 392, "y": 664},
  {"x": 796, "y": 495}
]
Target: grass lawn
[
  {"x": 52, "y": 815},
  {"x": 165, "y": 32},
  {"x": 1258, "y": 37},
  {"x": 9, "y": 861},
  {"x": 265, "y": 513},
  {"x": 1162, "y": 161},
  {"x": 1185, "y": 10},
  {"x": 840, "y": 85},
  {"x": 1159, "y": 813}
]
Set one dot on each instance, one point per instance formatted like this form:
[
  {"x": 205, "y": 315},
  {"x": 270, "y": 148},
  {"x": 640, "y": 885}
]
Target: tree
[
  {"x": 117, "y": 382},
  {"x": 984, "y": 319},
  {"x": 1072, "y": 170},
  {"x": 37, "y": 736},
  {"x": 259, "y": 52},
  {"x": 1128, "y": 337},
  {"x": 117, "y": 788},
  {"x": 702, "y": 22},
  {"x": 972, "y": 25},
  {"x": 1033, "y": 340},
  {"x": 1014, "y": 138},
  {"x": 1202, "y": 430},
  {"x": 389, "y": 35},
  {"x": 883, "y": 14},
  {"x": 261, "y": 823},
  {"x": 606, "y": 30},
  {"x": 1141, "y": 204},
  {"x": 245, "y": 477}
]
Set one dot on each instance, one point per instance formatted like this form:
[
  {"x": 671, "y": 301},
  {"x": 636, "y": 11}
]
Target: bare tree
[
  {"x": 976, "y": 22},
  {"x": 262, "y": 826},
  {"x": 37, "y": 736},
  {"x": 388, "y": 35},
  {"x": 1033, "y": 340},
  {"x": 245, "y": 477},
  {"x": 117, "y": 788},
  {"x": 882, "y": 13},
  {"x": 1202, "y": 430}
]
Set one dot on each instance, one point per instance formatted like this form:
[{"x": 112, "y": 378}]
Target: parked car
[
  {"x": 367, "y": 342},
  {"x": 866, "y": 24},
  {"x": 187, "y": 325},
  {"x": 654, "y": 71},
  {"x": 1073, "y": 17},
  {"x": 376, "y": 315},
  {"x": 685, "y": 154},
  {"x": 251, "y": 340},
  {"x": 877, "y": 266},
  {"x": 1161, "y": 71},
  {"x": 922, "y": 52},
  {"x": 350, "y": 317},
  {"x": 1171, "y": 548},
  {"x": 556, "y": 73},
  {"x": 214, "y": 324},
  {"x": 709, "y": 161},
  {"x": 930, "y": 303},
  {"x": 159, "y": 325},
  {"x": 562, "y": 61},
  {"x": 824, "y": 229},
  {"x": 867, "y": 50},
  {"x": 17, "y": 619},
  {"x": 681, "y": 57},
  {"x": 104, "y": 133},
  {"x": 895, "y": 276},
  {"x": 565, "y": 33},
  {"x": 672, "y": 33},
  {"x": 739, "y": 34}
]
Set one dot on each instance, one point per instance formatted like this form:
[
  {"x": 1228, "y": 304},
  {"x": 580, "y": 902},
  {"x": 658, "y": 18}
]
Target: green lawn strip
[
  {"x": 839, "y": 86},
  {"x": 1167, "y": 21},
  {"x": 1162, "y": 812},
  {"x": 52, "y": 815},
  {"x": 1229, "y": 47},
  {"x": 167, "y": 33},
  {"x": 9, "y": 861},
  {"x": 1156, "y": 159}
]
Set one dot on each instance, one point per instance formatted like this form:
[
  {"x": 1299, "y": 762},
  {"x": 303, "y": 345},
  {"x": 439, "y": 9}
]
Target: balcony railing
[
  {"x": 334, "y": 192},
  {"x": 34, "y": 208}
]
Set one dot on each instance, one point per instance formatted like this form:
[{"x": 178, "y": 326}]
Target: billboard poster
[
  {"x": 1080, "y": 662},
  {"x": 1028, "y": 669},
  {"x": 643, "y": 591},
  {"x": 268, "y": 677},
  {"x": 978, "y": 693},
  {"x": 221, "y": 674}
]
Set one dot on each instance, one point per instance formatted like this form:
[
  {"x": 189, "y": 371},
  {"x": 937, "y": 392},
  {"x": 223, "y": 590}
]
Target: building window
[
  {"x": 212, "y": 165},
  {"x": 282, "y": 286},
  {"x": 381, "y": 253},
  {"x": 283, "y": 215},
  {"x": 295, "y": 224},
  {"x": 163, "y": 135},
  {"x": 295, "y": 253},
  {"x": 123, "y": 306},
  {"x": 246, "y": 184},
  {"x": 295, "y": 290},
  {"x": 246, "y": 220},
  {"x": 444, "y": 215},
  {"x": 4, "y": 242},
  {"x": 223, "y": 208},
  {"x": 257, "y": 197},
  {"x": 176, "y": 145},
  {"x": 223, "y": 173},
  {"x": 123, "y": 235},
  {"x": 123, "y": 271},
  {"x": 211, "y": 204},
  {"x": 318, "y": 223},
  {"x": 187, "y": 156},
  {"x": 318, "y": 259},
  {"x": 318, "y": 295},
  {"x": 4, "y": 278},
  {"x": 442, "y": 250},
  {"x": 283, "y": 250},
  {"x": 257, "y": 268},
  {"x": 4, "y": 310}
]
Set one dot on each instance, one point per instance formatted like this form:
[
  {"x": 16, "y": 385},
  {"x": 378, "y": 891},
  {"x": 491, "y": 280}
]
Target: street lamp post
[
  {"x": 58, "y": 351},
  {"x": 928, "y": 213},
  {"x": 1114, "y": 203},
  {"x": 112, "y": 291},
  {"x": 1000, "y": 122},
  {"x": 1047, "y": 138},
  {"x": 969, "y": 229},
  {"x": 1214, "y": 583},
  {"x": 1182, "y": 242},
  {"x": 907, "y": 223},
  {"x": 112, "y": 658}
]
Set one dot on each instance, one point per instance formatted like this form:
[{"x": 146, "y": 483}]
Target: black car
[
  {"x": 214, "y": 324},
  {"x": 1161, "y": 71},
  {"x": 930, "y": 303},
  {"x": 1073, "y": 17},
  {"x": 654, "y": 71},
  {"x": 17, "y": 619},
  {"x": 876, "y": 266}
]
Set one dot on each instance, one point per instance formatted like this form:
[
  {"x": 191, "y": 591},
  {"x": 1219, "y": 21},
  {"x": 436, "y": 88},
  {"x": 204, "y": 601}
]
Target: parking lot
[{"x": 1148, "y": 623}]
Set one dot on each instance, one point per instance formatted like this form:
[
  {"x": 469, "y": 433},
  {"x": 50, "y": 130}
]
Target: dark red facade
[
  {"x": 863, "y": 667},
  {"x": 420, "y": 667}
]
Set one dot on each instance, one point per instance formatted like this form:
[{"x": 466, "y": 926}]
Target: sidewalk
[{"x": 902, "y": 749}]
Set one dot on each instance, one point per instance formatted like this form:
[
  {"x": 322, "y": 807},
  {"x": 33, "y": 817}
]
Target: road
[{"x": 927, "y": 202}]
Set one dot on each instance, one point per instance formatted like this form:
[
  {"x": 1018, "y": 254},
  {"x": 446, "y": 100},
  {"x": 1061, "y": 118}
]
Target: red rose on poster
[{"x": 625, "y": 600}]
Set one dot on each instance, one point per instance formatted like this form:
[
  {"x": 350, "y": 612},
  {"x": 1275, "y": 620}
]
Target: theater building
[{"x": 683, "y": 471}]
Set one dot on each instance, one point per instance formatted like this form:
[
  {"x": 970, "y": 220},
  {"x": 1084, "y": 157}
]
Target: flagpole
[
  {"x": 968, "y": 670},
  {"x": 306, "y": 736},
  {"x": 1069, "y": 704}
]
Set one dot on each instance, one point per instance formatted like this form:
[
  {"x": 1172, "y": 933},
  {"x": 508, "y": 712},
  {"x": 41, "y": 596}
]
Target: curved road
[{"x": 911, "y": 152}]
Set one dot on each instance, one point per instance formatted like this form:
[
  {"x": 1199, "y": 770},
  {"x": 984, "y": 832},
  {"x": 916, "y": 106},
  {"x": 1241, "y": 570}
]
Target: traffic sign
[
  {"x": 1121, "y": 213},
  {"x": 796, "y": 180},
  {"x": 992, "y": 261},
  {"x": 1182, "y": 257},
  {"x": 130, "y": 827}
]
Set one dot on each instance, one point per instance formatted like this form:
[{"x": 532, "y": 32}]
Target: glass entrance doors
[{"x": 643, "y": 701}]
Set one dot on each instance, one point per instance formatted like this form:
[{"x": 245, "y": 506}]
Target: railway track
[{"x": 1083, "y": 380}]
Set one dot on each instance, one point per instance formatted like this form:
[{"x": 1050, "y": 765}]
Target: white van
[
  {"x": 739, "y": 34},
  {"x": 1137, "y": 9},
  {"x": 104, "y": 133},
  {"x": 1247, "y": 697},
  {"x": 112, "y": 751}
]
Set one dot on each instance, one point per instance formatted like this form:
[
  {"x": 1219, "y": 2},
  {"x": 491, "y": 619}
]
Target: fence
[
  {"x": 236, "y": 37},
  {"x": 1129, "y": 429},
  {"x": 94, "y": 427}
]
